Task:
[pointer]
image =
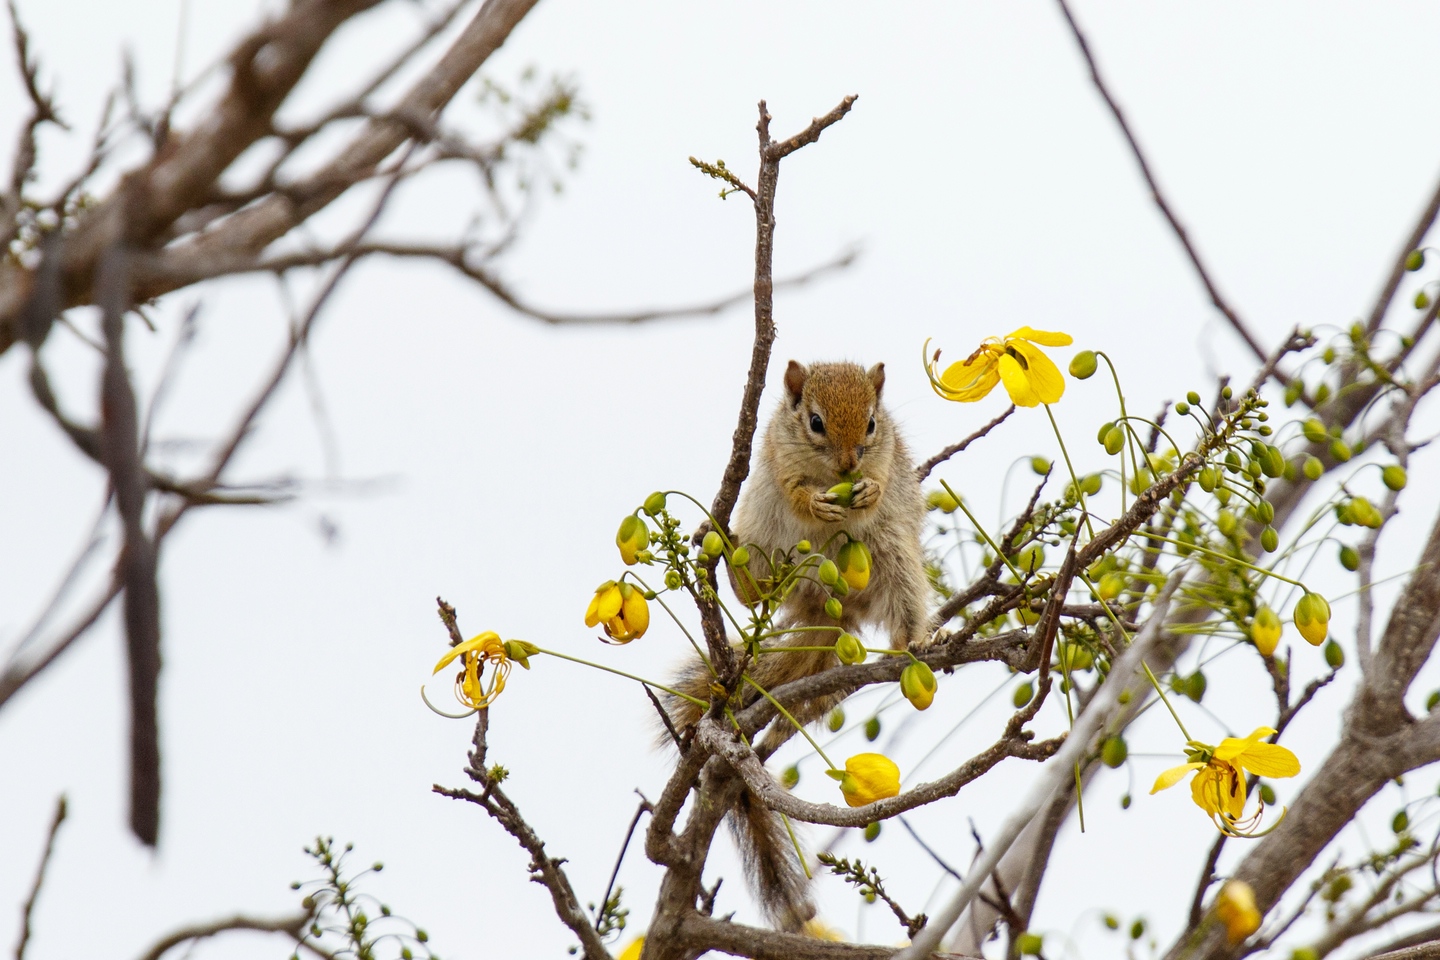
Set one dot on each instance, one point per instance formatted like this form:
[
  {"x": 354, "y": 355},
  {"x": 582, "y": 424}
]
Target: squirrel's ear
[
  {"x": 877, "y": 377},
  {"x": 795, "y": 377}
]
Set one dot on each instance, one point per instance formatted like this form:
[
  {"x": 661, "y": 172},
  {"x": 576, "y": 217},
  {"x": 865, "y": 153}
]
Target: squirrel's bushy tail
[{"x": 772, "y": 863}]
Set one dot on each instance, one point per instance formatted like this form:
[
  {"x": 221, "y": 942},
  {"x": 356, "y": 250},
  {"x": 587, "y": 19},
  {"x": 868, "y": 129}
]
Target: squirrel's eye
[
  {"x": 816, "y": 423},
  {"x": 871, "y": 428}
]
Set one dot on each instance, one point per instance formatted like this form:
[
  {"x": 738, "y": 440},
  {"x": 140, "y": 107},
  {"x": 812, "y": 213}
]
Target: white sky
[{"x": 988, "y": 188}]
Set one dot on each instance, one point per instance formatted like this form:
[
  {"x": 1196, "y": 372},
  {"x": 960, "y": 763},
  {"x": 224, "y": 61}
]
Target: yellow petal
[
  {"x": 637, "y": 614},
  {"x": 592, "y": 612},
  {"x": 1017, "y": 382},
  {"x": 1219, "y": 789},
  {"x": 1173, "y": 776},
  {"x": 968, "y": 381},
  {"x": 474, "y": 643},
  {"x": 1045, "y": 378},
  {"x": 632, "y": 952},
  {"x": 1232, "y": 747},
  {"x": 1235, "y": 908},
  {"x": 609, "y": 603},
  {"x": 869, "y": 777},
  {"x": 1046, "y": 338},
  {"x": 1269, "y": 760}
]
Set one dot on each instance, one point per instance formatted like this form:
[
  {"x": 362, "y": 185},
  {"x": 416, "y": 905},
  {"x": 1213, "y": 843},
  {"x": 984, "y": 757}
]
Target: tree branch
[{"x": 59, "y": 818}]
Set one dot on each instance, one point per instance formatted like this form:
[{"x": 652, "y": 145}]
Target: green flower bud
[
  {"x": 1114, "y": 441},
  {"x": 1304, "y": 953},
  {"x": 1349, "y": 558},
  {"x": 1312, "y": 618},
  {"x": 843, "y": 492},
  {"x": 1314, "y": 430},
  {"x": 713, "y": 543},
  {"x": 1208, "y": 479},
  {"x": 1026, "y": 692},
  {"x": 1182, "y": 408},
  {"x": 1030, "y": 944},
  {"x": 1223, "y": 495},
  {"x": 1039, "y": 466},
  {"x": 1090, "y": 484},
  {"x": 836, "y": 720},
  {"x": 1414, "y": 260},
  {"x": 1394, "y": 477},
  {"x": 803, "y": 547},
  {"x": 942, "y": 501},
  {"x": 1125, "y": 803},
  {"x": 1267, "y": 794},
  {"x": 1111, "y": 921},
  {"x": 1193, "y": 398},
  {"x": 840, "y": 587},
  {"x": 790, "y": 777},
  {"x": 828, "y": 572},
  {"x": 632, "y": 537},
  {"x": 1137, "y": 929},
  {"x": 1113, "y": 752},
  {"x": 1269, "y": 539},
  {"x": 740, "y": 557},
  {"x": 1232, "y": 461},
  {"x": 872, "y": 832},
  {"x": 1432, "y": 701},
  {"x": 1401, "y": 822},
  {"x": 520, "y": 652},
  {"x": 1227, "y": 523},
  {"x": 872, "y": 729},
  {"x": 1226, "y": 393},
  {"x": 1334, "y": 656},
  {"x": 1293, "y": 392},
  {"x": 1340, "y": 450},
  {"x": 849, "y": 649},
  {"x": 1328, "y": 355},
  {"x": 1313, "y": 468},
  {"x": 1322, "y": 393},
  {"x": 1273, "y": 462},
  {"x": 1363, "y": 512},
  {"x": 1105, "y": 428},
  {"x": 1082, "y": 366},
  {"x": 1195, "y": 686},
  {"x": 854, "y": 562},
  {"x": 833, "y": 609},
  {"x": 1422, "y": 300},
  {"x": 1264, "y": 511},
  {"x": 917, "y": 684},
  {"x": 654, "y": 504}
]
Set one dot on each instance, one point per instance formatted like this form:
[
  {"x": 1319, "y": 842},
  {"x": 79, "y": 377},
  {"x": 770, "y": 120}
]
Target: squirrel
[{"x": 828, "y": 427}]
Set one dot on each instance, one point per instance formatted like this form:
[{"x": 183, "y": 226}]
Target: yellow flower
[
  {"x": 854, "y": 563},
  {"x": 632, "y": 538},
  {"x": 632, "y": 952},
  {"x": 820, "y": 930},
  {"x": 621, "y": 609},
  {"x": 917, "y": 684},
  {"x": 1235, "y": 907},
  {"x": 1029, "y": 376},
  {"x": 476, "y": 652},
  {"x": 1312, "y": 618},
  {"x": 868, "y": 777},
  {"x": 1266, "y": 630},
  {"x": 1219, "y": 784}
]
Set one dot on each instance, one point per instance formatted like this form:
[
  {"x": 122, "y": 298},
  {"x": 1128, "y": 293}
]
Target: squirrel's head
[{"x": 837, "y": 407}]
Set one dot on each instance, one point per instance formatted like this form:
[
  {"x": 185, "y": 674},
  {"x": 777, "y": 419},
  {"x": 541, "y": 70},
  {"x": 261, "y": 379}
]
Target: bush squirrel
[{"x": 829, "y": 426}]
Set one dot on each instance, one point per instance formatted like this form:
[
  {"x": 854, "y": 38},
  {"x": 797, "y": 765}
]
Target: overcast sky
[{"x": 492, "y": 458}]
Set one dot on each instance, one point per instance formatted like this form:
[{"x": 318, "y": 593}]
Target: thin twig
[
  {"x": 292, "y": 926},
  {"x": 1155, "y": 194},
  {"x": 640, "y": 811},
  {"x": 61, "y": 809}
]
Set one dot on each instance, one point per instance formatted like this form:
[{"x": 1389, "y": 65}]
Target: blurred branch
[
  {"x": 292, "y": 926},
  {"x": 29, "y": 908},
  {"x": 1155, "y": 194}
]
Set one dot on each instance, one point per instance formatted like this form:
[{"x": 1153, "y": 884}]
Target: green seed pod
[
  {"x": 1313, "y": 468},
  {"x": 836, "y": 720},
  {"x": 849, "y": 649},
  {"x": 713, "y": 543},
  {"x": 1030, "y": 944},
  {"x": 1267, "y": 794},
  {"x": 654, "y": 504},
  {"x": 828, "y": 572},
  {"x": 740, "y": 557},
  {"x": 1195, "y": 686},
  {"x": 1394, "y": 477},
  {"x": 843, "y": 492},
  {"x": 1193, "y": 398},
  {"x": 790, "y": 777},
  {"x": 1182, "y": 408},
  {"x": 1114, "y": 441},
  {"x": 1105, "y": 428},
  {"x": 1113, "y": 752},
  {"x": 1422, "y": 300},
  {"x": 1349, "y": 558},
  {"x": 1039, "y": 466},
  {"x": 872, "y": 832},
  {"x": 872, "y": 729},
  {"x": 1026, "y": 692},
  {"x": 1082, "y": 366},
  {"x": 1090, "y": 484},
  {"x": 1414, "y": 260},
  {"x": 803, "y": 547},
  {"x": 1314, "y": 430},
  {"x": 833, "y": 609},
  {"x": 1401, "y": 822},
  {"x": 1269, "y": 539},
  {"x": 1334, "y": 656}
]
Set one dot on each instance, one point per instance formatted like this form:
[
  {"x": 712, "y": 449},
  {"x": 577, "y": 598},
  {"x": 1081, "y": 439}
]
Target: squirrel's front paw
[
  {"x": 826, "y": 507},
  {"x": 866, "y": 493}
]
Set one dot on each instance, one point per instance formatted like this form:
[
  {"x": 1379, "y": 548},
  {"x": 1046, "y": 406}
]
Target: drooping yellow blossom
[
  {"x": 1312, "y": 618},
  {"x": 621, "y": 609},
  {"x": 1219, "y": 784},
  {"x": 632, "y": 537},
  {"x": 632, "y": 951},
  {"x": 868, "y": 777},
  {"x": 1235, "y": 908},
  {"x": 476, "y": 652},
  {"x": 854, "y": 562},
  {"x": 1029, "y": 376},
  {"x": 1266, "y": 630},
  {"x": 917, "y": 684},
  {"x": 820, "y": 930}
]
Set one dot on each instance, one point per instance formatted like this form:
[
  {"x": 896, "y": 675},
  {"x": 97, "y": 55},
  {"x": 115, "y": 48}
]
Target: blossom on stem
[
  {"x": 868, "y": 777},
  {"x": 1030, "y": 377},
  {"x": 1235, "y": 908},
  {"x": 475, "y": 653},
  {"x": 1218, "y": 787},
  {"x": 621, "y": 609}
]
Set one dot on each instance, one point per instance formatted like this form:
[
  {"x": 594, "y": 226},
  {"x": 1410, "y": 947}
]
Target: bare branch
[
  {"x": 292, "y": 926},
  {"x": 1397, "y": 270},
  {"x": 59, "y": 818},
  {"x": 1155, "y": 194}
]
